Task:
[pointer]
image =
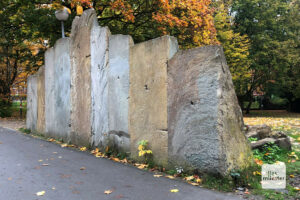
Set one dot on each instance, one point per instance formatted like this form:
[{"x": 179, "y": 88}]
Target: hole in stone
[
  {"x": 192, "y": 102},
  {"x": 118, "y": 77},
  {"x": 146, "y": 87}
]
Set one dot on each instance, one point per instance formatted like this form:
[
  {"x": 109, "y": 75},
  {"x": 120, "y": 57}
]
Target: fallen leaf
[
  {"x": 189, "y": 178},
  {"x": 41, "y": 193},
  {"x": 297, "y": 188},
  {"x": 95, "y": 151},
  {"x": 53, "y": 188},
  {"x": 292, "y": 176},
  {"x": 192, "y": 183},
  {"x": 82, "y": 148},
  {"x": 157, "y": 175},
  {"x": 59, "y": 156},
  {"x": 116, "y": 159},
  {"x": 9, "y": 179},
  {"x": 174, "y": 190},
  {"x": 198, "y": 180},
  {"x": 98, "y": 155},
  {"x": 82, "y": 168},
  {"x": 45, "y": 164},
  {"x": 54, "y": 152},
  {"x": 107, "y": 191},
  {"x": 64, "y": 145},
  {"x": 170, "y": 177},
  {"x": 141, "y": 166}
]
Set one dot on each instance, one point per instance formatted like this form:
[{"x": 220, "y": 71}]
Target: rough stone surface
[
  {"x": 99, "y": 84},
  {"x": 118, "y": 90},
  {"x": 261, "y": 142},
  {"x": 148, "y": 95},
  {"x": 32, "y": 103},
  {"x": 204, "y": 119},
  {"x": 81, "y": 101},
  {"x": 262, "y": 131},
  {"x": 284, "y": 143},
  {"x": 57, "y": 90},
  {"x": 41, "y": 100}
]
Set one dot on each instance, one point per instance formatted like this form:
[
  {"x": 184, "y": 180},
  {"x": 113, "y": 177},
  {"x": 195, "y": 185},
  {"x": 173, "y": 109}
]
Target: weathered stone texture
[
  {"x": 118, "y": 90},
  {"x": 32, "y": 103},
  {"x": 57, "y": 90},
  {"x": 99, "y": 83},
  {"x": 204, "y": 118},
  {"x": 148, "y": 95},
  {"x": 41, "y": 100},
  {"x": 81, "y": 102}
]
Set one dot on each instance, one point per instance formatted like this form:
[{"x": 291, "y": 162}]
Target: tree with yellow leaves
[{"x": 236, "y": 49}]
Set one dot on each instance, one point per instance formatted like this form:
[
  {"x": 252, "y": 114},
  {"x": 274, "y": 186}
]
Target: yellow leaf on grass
[
  {"x": 292, "y": 176},
  {"x": 41, "y": 193},
  {"x": 174, "y": 190},
  {"x": 107, "y": 191}
]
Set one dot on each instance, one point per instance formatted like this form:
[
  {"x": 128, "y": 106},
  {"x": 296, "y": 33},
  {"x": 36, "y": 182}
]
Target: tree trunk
[{"x": 249, "y": 105}]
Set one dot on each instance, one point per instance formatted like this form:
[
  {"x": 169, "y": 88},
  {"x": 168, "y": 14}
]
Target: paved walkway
[{"x": 29, "y": 165}]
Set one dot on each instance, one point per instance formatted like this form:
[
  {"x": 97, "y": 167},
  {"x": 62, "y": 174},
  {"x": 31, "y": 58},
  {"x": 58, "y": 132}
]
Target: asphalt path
[{"x": 29, "y": 165}]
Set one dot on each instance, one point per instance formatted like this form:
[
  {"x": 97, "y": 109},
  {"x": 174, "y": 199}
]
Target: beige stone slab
[
  {"x": 41, "y": 100},
  {"x": 148, "y": 95}
]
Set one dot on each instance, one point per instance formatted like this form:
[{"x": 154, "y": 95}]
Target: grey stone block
[
  {"x": 118, "y": 90},
  {"x": 204, "y": 118},
  {"x": 57, "y": 90},
  {"x": 32, "y": 103}
]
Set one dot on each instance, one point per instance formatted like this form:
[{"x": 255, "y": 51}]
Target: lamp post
[{"x": 62, "y": 15}]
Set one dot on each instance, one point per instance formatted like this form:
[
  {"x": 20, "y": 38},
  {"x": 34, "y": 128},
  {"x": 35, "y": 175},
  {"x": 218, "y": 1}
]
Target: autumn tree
[
  {"x": 190, "y": 21},
  {"x": 273, "y": 29},
  {"x": 25, "y": 26},
  {"x": 236, "y": 49}
]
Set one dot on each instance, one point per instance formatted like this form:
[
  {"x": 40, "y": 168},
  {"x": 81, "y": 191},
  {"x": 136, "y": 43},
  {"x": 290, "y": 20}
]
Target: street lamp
[{"x": 62, "y": 15}]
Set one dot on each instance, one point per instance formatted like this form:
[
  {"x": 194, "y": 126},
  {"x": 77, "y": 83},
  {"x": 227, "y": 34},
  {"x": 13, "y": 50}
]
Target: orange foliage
[
  {"x": 123, "y": 7},
  {"x": 191, "y": 21},
  {"x": 83, "y": 3}
]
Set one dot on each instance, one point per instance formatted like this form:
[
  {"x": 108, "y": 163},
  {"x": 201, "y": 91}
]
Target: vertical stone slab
[
  {"x": 204, "y": 117},
  {"x": 81, "y": 102},
  {"x": 148, "y": 95},
  {"x": 57, "y": 90},
  {"x": 99, "y": 84},
  {"x": 118, "y": 90},
  {"x": 49, "y": 92},
  {"x": 89, "y": 91},
  {"x": 41, "y": 100},
  {"x": 32, "y": 104}
]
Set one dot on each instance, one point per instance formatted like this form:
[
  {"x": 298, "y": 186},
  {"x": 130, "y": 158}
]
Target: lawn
[{"x": 289, "y": 123}]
